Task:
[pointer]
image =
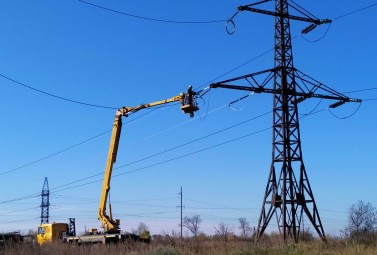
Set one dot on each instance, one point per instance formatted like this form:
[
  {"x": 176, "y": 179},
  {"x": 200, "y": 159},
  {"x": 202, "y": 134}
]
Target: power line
[
  {"x": 21, "y": 198},
  {"x": 27, "y": 86},
  {"x": 152, "y": 19},
  {"x": 154, "y": 155},
  {"x": 355, "y": 11},
  {"x": 85, "y": 141},
  {"x": 157, "y": 154},
  {"x": 59, "y": 188},
  {"x": 71, "y": 147},
  {"x": 55, "y": 96},
  {"x": 320, "y": 38},
  {"x": 15, "y": 221},
  {"x": 93, "y": 105},
  {"x": 20, "y": 210},
  {"x": 196, "y": 22},
  {"x": 198, "y": 139},
  {"x": 346, "y": 117},
  {"x": 217, "y": 206},
  {"x": 359, "y": 90},
  {"x": 250, "y": 61},
  {"x": 339, "y": 17},
  {"x": 264, "y": 53},
  {"x": 237, "y": 67},
  {"x": 172, "y": 159},
  {"x": 160, "y": 20},
  {"x": 370, "y": 99},
  {"x": 54, "y": 154},
  {"x": 92, "y": 138}
]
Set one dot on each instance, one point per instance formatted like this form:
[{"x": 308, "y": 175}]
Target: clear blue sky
[{"x": 83, "y": 53}]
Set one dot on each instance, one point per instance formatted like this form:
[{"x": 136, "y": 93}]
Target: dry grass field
[{"x": 202, "y": 245}]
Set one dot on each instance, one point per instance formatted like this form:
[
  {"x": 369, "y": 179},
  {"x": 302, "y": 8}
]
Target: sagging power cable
[
  {"x": 151, "y": 19},
  {"x": 56, "y": 96},
  {"x": 61, "y": 187}
]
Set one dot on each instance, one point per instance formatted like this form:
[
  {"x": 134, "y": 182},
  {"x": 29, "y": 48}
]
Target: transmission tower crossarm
[
  {"x": 277, "y": 14},
  {"x": 288, "y": 92}
]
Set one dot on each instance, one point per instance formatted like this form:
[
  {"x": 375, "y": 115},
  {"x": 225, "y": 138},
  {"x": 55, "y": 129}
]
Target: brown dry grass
[{"x": 203, "y": 245}]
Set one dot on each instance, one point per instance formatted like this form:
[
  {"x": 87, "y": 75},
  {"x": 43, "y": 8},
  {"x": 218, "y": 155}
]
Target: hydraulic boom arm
[{"x": 187, "y": 105}]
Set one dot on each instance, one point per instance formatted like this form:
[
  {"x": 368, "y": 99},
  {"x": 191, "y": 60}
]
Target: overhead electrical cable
[
  {"x": 55, "y": 96},
  {"x": 201, "y": 22},
  {"x": 14, "y": 221},
  {"x": 71, "y": 147},
  {"x": 235, "y": 68},
  {"x": 356, "y": 11},
  {"x": 58, "y": 189},
  {"x": 270, "y": 50},
  {"x": 20, "y": 210},
  {"x": 171, "y": 159},
  {"x": 346, "y": 117},
  {"x": 90, "y": 139},
  {"x": 197, "y": 140},
  {"x": 21, "y": 198},
  {"x": 318, "y": 39},
  {"x": 169, "y": 21},
  {"x": 154, "y": 155},
  {"x": 230, "y": 71},
  {"x": 217, "y": 206},
  {"x": 180, "y": 124},
  {"x": 370, "y": 99},
  {"x": 152, "y": 19},
  {"x": 167, "y": 150},
  {"x": 359, "y": 90},
  {"x": 22, "y": 84},
  {"x": 54, "y": 154},
  {"x": 217, "y": 78},
  {"x": 146, "y": 214},
  {"x": 337, "y": 18}
]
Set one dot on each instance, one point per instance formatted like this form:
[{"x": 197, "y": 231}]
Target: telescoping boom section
[{"x": 188, "y": 105}]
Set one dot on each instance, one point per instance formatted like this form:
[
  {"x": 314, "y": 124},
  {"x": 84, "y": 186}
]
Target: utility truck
[{"x": 111, "y": 231}]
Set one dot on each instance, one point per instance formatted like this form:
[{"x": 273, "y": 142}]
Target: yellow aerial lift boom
[
  {"x": 187, "y": 105},
  {"x": 58, "y": 231}
]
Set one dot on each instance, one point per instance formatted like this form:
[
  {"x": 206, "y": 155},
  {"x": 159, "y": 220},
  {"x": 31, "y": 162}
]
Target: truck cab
[{"x": 51, "y": 232}]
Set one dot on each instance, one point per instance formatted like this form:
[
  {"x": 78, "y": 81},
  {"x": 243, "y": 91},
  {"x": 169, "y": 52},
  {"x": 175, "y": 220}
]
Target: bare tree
[
  {"x": 142, "y": 227},
  {"x": 192, "y": 224},
  {"x": 362, "y": 221},
  {"x": 142, "y": 231},
  {"x": 224, "y": 232},
  {"x": 244, "y": 227}
]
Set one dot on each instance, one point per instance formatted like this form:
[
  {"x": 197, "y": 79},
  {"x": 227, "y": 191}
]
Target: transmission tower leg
[{"x": 271, "y": 202}]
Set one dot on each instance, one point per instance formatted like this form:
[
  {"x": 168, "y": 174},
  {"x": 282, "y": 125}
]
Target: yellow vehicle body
[{"x": 51, "y": 232}]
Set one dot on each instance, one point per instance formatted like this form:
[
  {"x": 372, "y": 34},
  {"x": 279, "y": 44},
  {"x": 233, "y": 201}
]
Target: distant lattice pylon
[{"x": 45, "y": 202}]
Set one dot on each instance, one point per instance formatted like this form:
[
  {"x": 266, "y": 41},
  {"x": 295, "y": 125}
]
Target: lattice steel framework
[
  {"x": 288, "y": 194},
  {"x": 45, "y": 205},
  {"x": 286, "y": 197},
  {"x": 72, "y": 227}
]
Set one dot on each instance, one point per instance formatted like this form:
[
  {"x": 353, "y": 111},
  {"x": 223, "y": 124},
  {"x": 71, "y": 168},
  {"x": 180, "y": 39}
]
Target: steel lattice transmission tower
[
  {"x": 288, "y": 194},
  {"x": 72, "y": 227},
  {"x": 45, "y": 205}
]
